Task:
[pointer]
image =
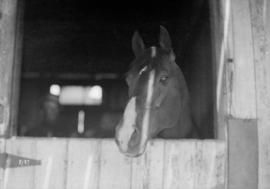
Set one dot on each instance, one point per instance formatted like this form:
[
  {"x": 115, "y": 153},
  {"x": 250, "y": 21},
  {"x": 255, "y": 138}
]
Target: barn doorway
[{"x": 75, "y": 57}]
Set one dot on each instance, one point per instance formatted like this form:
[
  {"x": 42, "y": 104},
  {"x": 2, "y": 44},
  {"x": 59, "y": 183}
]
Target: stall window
[{"x": 75, "y": 57}]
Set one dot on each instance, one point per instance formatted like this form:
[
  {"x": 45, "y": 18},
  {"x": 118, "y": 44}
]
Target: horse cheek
[{"x": 174, "y": 112}]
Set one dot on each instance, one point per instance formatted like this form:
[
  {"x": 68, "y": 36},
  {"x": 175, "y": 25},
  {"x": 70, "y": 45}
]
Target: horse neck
[
  {"x": 185, "y": 126},
  {"x": 182, "y": 127}
]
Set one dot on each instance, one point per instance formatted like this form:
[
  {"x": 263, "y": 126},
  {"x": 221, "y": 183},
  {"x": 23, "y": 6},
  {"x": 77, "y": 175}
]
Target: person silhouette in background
[{"x": 47, "y": 123}]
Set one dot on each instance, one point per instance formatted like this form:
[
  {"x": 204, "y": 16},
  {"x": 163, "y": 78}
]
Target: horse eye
[{"x": 163, "y": 79}]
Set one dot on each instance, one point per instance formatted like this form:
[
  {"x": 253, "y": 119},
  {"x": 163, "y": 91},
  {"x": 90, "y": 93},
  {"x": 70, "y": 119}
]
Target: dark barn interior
[{"x": 72, "y": 43}]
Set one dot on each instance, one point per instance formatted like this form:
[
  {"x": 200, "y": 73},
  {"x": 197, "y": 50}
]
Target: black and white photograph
[{"x": 135, "y": 94}]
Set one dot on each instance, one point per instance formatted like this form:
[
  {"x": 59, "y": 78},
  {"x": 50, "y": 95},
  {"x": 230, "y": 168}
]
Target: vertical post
[
  {"x": 217, "y": 33},
  {"x": 7, "y": 51},
  {"x": 238, "y": 101},
  {"x": 260, "y": 22},
  {"x": 16, "y": 71},
  {"x": 8, "y": 15},
  {"x": 241, "y": 111}
]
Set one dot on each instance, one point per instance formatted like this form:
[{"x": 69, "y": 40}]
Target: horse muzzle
[{"x": 132, "y": 146}]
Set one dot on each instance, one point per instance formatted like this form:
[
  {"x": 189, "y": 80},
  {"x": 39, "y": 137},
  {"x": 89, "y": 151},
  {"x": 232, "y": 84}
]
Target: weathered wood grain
[
  {"x": 218, "y": 41},
  {"x": 243, "y": 97},
  {"x": 21, "y": 177},
  {"x": 215, "y": 43},
  {"x": 73, "y": 163},
  {"x": 115, "y": 170},
  {"x": 83, "y": 164},
  {"x": 260, "y": 14},
  {"x": 7, "y": 44},
  {"x": 194, "y": 164},
  {"x": 248, "y": 90},
  {"x": 50, "y": 173},
  {"x": 243, "y": 154},
  {"x": 147, "y": 170},
  {"x": 16, "y": 69},
  {"x": 2, "y": 171}
]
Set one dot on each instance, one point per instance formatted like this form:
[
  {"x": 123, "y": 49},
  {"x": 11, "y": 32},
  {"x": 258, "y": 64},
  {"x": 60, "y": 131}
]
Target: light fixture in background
[
  {"x": 81, "y": 95},
  {"x": 94, "y": 95},
  {"x": 55, "y": 89},
  {"x": 71, "y": 95}
]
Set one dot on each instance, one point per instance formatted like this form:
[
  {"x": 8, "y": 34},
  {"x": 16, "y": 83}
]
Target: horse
[{"x": 159, "y": 102}]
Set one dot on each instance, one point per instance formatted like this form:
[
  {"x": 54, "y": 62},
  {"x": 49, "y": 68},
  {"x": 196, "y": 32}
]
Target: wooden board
[
  {"x": 194, "y": 164},
  {"x": 243, "y": 97},
  {"x": 98, "y": 164},
  {"x": 22, "y": 177},
  {"x": 260, "y": 14},
  {"x": 8, "y": 13},
  {"x": 248, "y": 84},
  {"x": 83, "y": 164},
  {"x": 48, "y": 167},
  {"x": 220, "y": 43},
  {"x": 7, "y": 46},
  {"x": 16, "y": 70},
  {"x": 115, "y": 170},
  {"x": 148, "y": 169},
  {"x": 243, "y": 154}
]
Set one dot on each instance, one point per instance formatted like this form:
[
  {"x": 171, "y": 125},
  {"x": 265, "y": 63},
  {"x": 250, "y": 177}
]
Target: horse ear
[
  {"x": 137, "y": 44},
  {"x": 164, "y": 39}
]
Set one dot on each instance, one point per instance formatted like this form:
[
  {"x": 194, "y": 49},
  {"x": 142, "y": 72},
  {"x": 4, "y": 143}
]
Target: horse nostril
[
  {"x": 117, "y": 141},
  {"x": 134, "y": 134},
  {"x": 134, "y": 137}
]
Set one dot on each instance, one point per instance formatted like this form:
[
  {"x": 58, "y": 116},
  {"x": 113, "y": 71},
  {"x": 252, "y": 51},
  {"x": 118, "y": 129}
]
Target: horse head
[{"x": 158, "y": 97}]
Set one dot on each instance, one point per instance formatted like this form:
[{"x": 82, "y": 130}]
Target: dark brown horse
[{"x": 158, "y": 98}]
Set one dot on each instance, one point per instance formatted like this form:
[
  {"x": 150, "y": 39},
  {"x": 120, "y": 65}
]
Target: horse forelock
[
  {"x": 149, "y": 58},
  {"x": 153, "y": 58}
]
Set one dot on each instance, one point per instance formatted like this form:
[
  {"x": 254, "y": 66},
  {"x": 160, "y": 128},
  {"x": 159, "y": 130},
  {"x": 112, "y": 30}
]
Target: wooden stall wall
[
  {"x": 243, "y": 114},
  {"x": 243, "y": 118},
  {"x": 236, "y": 105},
  {"x": 260, "y": 23},
  {"x": 70, "y": 163},
  {"x": 241, "y": 99},
  {"x": 7, "y": 45},
  {"x": 16, "y": 69},
  {"x": 98, "y": 164}
]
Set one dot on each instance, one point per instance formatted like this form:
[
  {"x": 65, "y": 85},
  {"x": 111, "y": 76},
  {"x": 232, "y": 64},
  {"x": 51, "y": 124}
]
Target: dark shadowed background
[{"x": 69, "y": 42}]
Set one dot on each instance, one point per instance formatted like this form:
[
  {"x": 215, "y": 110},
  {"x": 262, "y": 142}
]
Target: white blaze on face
[
  {"x": 146, "y": 116},
  {"x": 128, "y": 125},
  {"x": 148, "y": 102},
  {"x": 143, "y": 70}
]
